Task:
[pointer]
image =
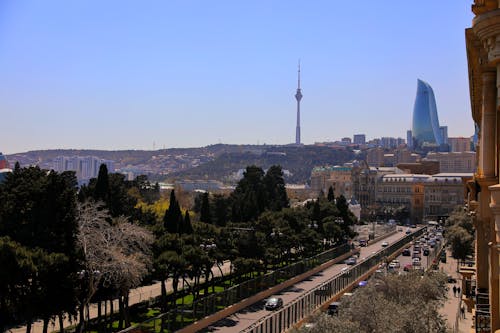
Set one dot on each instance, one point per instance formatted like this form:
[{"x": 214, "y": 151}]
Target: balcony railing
[{"x": 482, "y": 313}]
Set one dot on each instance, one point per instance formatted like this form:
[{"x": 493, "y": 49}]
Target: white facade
[{"x": 85, "y": 167}]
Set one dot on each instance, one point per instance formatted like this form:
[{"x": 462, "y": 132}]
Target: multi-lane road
[{"x": 252, "y": 314}]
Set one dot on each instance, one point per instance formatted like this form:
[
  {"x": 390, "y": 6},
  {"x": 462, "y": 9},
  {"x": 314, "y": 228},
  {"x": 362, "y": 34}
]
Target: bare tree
[{"x": 115, "y": 253}]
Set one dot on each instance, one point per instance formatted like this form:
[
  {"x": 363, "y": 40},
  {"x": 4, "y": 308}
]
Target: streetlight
[
  {"x": 313, "y": 225},
  {"x": 276, "y": 233},
  {"x": 339, "y": 220}
]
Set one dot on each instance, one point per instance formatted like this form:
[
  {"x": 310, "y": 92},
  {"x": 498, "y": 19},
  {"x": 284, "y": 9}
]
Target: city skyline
[{"x": 185, "y": 74}]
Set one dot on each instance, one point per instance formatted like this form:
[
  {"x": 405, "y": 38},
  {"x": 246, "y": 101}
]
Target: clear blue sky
[{"x": 118, "y": 74}]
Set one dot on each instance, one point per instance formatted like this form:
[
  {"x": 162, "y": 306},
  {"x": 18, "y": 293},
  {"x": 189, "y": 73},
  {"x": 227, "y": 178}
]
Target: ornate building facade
[{"x": 483, "y": 56}]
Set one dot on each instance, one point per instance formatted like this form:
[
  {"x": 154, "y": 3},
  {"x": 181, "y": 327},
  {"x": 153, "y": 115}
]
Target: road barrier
[
  {"x": 240, "y": 296},
  {"x": 301, "y": 307}
]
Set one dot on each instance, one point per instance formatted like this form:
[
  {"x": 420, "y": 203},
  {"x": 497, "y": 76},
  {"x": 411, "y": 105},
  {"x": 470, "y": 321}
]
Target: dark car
[
  {"x": 451, "y": 279},
  {"x": 406, "y": 252},
  {"x": 333, "y": 308},
  {"x": 426, "y": 252},
  {"x": 274, "y": 303}
]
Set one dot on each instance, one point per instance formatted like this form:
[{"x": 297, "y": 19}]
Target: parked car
[
  {"x": 333, "y": 308},
  {"x": 415, "y": 261},
  {"x": 391, "y": 267},
  {"x": 274, "y": 303},
  {"x": 426, "y": 252},
  {"x": 396, "y": 263},
  {"x": 407, "y": 267},
  {"x": 350, "y": 261},
  {"x": 363, "y": 242}
]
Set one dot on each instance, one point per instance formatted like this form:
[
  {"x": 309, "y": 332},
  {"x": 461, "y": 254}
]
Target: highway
[{"x": 252, "y": 314}]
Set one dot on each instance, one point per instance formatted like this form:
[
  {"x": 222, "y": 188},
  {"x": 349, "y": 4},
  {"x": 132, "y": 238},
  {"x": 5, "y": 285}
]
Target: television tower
[{"x": 298, "y": 97}]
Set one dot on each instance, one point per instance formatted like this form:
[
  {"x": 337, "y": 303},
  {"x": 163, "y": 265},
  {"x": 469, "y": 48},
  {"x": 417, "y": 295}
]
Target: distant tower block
[{"x": 298, "y": 97}]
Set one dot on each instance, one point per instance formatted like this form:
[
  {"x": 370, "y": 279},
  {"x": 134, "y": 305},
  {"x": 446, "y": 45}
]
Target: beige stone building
[
  {"x": 460, "y": 162},
  {"x": 338, "y": 177},
  {"x": 403, "y": 190},
  {"x": 483, "y": 56},
  {"x": 459, "y": 144},
  {"x": 443, "y": 193},
  {"x": 375, "y": 157},
  {"x": 379, "y": 156}
]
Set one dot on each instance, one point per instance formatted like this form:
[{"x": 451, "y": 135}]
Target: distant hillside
[
  {"x": 217, "y": 162},
  {"x": 298, "y": 160}
]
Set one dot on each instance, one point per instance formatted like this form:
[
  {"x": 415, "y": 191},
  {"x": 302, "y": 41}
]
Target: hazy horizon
[{"x": 122, "y": 75}]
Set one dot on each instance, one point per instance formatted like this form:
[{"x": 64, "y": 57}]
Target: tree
[
  {"x": 220, "y": 208},
  {"x": 331, "y": 194},
  {"x": 115, "y": 254},
  {"x": 249, "y": 197},
  {"x": 112, "y": 190},
  {"x": 460, "y": 218},
  {"x": 173, "y": 216},
  {"x": 102, "y": 184},
  {"x": 187, "y": 228},
  {"x": 205, "y": 209},
  {"x": 408, "y": 303},
  {"x": 38, "y": 223},
  {"x": 461, "y": 242},
  {"x": 274, "y": 183},
  {"x": 168, "y": 262}
]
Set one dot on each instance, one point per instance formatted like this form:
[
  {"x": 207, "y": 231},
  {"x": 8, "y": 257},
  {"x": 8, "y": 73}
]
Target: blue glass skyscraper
[{"x": 425, "y": 126}]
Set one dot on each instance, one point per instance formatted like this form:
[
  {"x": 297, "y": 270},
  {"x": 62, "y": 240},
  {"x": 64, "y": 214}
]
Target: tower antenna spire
[
  {"x": 298, "y": 97},
  {"x": 298, "y": 85}
]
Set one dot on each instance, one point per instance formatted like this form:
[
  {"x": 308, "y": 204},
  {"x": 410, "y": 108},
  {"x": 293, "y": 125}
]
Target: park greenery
[{"x": 63, "y": 247}]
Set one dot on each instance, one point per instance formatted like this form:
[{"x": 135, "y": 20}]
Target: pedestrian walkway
[
  {"x": 137, "y": 295},
  {"x": 451, "y": 308}
]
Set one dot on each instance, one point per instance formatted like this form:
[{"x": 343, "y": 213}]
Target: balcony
[{"x": 482, "y": 312}]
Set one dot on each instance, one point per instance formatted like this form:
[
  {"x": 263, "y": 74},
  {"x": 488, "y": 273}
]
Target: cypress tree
[
  {"x": 331, "y": 195},
  {"x": 188, "y": 228},
  {"x": 316, "y": 211},
  {"x": 102, "y": 184},
  {"x": 205, "y": 209},
  {"x": 173, "y": 215},
  {"x": 276, "y": 197}
]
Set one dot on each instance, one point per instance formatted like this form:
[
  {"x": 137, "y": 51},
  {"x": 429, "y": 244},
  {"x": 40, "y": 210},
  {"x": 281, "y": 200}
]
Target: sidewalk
[
  {"x": 137, "y": 295},
  {"x": 451, "y": 309}
]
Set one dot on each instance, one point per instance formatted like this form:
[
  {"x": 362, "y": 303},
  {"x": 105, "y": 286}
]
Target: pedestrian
[
  {"x": 458, "y": 292},
  {"x": 462, "y": 311},
  {"x": 454, "y": 291}
]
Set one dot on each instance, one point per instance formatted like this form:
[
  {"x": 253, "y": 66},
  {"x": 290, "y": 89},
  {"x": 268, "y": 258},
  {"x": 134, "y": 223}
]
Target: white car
[
  {"x": 415, "y": 261},
  {"x": 385, "y": 244},
  {"x": 396, "y": 263}
]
